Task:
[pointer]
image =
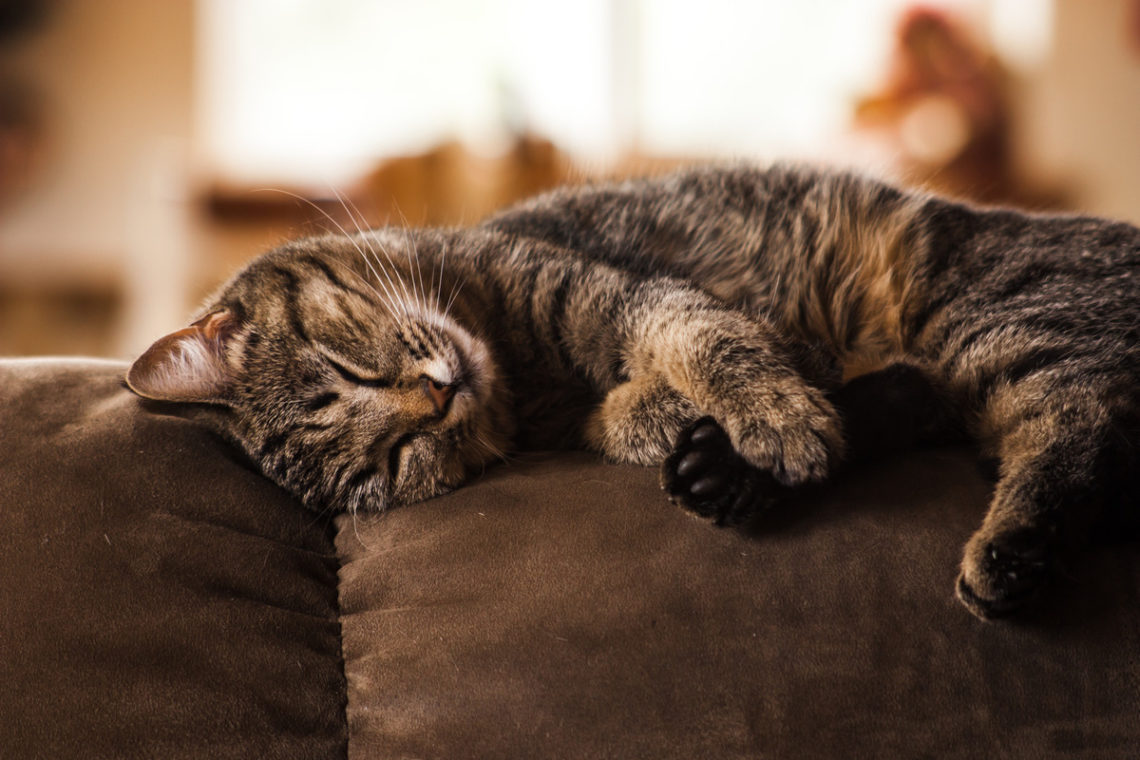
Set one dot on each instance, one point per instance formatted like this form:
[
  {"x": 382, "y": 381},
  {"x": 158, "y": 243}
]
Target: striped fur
[{"x": 706, "y": 320}]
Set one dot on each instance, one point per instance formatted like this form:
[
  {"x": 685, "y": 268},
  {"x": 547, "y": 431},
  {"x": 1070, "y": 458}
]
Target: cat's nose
[{"x": 439, "y": 394}]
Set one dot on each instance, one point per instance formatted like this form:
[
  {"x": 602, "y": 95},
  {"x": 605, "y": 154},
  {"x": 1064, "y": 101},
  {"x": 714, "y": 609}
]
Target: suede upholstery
[
  {"x": 158, "y": 598},
  {"x": 562, "y": 608},
  {"x": 161, "y": 599}
]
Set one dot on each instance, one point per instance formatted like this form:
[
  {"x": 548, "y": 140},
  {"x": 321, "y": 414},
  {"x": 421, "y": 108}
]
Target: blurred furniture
[
  {"x": 944, "y": 109},
  {"x": 160, "y": 598},
  {"x": 451, "y": 185}
]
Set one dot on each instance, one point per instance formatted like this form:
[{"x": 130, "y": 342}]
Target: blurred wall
[
  {"x": 111, "y": 192},
  {"x": 1081, "y": 121},
  {"x": 115, "y": 217}
]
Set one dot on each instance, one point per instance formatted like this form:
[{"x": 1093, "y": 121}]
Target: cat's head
[{"x": 351, "y": 392}]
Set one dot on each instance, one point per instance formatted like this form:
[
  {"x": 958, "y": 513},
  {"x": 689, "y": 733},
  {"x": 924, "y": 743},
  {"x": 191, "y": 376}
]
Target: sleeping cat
[{"x": 706, "y": 323}]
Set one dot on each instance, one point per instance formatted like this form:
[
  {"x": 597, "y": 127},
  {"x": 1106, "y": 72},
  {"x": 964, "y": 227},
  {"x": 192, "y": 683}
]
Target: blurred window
[{"x": 317, "y": 90}]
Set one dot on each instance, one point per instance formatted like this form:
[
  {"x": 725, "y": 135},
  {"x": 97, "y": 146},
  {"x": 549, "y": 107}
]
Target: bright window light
[{"x": 319, "y": 90}]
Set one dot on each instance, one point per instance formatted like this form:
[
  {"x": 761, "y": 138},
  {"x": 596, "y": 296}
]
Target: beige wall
[
  {"x": 111, "y": 195},
  {"x": 118, "y": 86},
  {"x": 1080, "y": 116}
]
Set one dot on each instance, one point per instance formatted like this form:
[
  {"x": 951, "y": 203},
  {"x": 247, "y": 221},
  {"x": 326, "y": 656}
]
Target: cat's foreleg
[
  {"x": 647, "y": 421},
  {"x": 664, "y": 354},
  {"x": 735, "y": 371},
  {"x": 713, "y": 398}
]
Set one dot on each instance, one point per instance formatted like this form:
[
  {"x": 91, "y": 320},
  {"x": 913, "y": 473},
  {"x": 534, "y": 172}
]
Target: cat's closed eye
[{"x": 357, "y": 378}]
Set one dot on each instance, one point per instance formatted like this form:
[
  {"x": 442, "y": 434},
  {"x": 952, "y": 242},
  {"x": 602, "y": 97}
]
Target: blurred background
[{"x": 149, "y": 148}]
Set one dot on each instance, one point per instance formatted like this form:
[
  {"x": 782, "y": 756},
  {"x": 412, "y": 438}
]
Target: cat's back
[
  {"x": 676, "y": 221},
  {"x": 1083, "y": 268}
]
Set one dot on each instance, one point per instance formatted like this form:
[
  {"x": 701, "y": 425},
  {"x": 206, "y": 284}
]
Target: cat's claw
[{"x": 705, "y": 475}]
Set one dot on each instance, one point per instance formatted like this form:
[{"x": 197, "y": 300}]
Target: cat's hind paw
[
  {"x": 706, "y": 476},
  {"x": 1004, "y": 574}
]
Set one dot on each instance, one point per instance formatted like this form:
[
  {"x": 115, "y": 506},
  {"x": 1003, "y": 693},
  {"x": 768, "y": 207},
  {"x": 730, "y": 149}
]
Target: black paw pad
[{"x": 705, "y": 475}]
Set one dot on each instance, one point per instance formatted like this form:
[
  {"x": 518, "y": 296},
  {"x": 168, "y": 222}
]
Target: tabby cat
[{"x": 704, "y": 322}]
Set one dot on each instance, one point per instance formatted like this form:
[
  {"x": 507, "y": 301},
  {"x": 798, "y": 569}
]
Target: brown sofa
[{"x": 160, "y": 599}]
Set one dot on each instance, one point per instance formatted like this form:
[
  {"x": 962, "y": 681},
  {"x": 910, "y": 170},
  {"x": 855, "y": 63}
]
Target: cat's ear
[{"x": 188, "y": 365}]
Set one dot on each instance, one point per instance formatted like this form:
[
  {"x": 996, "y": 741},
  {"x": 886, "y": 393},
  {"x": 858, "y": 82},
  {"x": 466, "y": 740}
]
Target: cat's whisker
[
  {"x": 400, "y": 302},
  {"x": 317, "y": 208},
  {"x": 388, "y": 256},
  {"x": 353, "y": 512},
  {"x": 413, "y": 296},
  {"x": 491, "y": 448},
  {"x": 414, "y": 266},
  {"x": 369, "y": 237},
  {"x": 362, "y": 232},
  {"x": 437, "y": 288},
  {"x": 342, "y": 200},
  {"x": 387, "y": 299},
  {"x": 433, "y": 287},
  {"x": 413, "y": 254},
  {"x": 414, "y": 263},
  {"x": 455, "y": 288},
  {"x": 326, "y": 214},
  {"x": 377, "y": 268}
]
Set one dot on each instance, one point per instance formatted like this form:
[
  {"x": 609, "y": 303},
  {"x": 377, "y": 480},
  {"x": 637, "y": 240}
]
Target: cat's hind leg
[
  {"x": 1055, "y": 445},
  {"x": 639, "y": 420}
]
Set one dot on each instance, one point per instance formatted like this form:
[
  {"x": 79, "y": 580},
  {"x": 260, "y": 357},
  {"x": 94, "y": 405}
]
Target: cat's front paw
[
  {"x": 706, "y": 475},
  {"x": 796, "y": 435},
  {"x": 1002, "y": 574}
]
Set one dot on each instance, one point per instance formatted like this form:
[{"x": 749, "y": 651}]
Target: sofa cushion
[
  {"x": 157, "y": 597},
  {"x": 560, "y": 607}
]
